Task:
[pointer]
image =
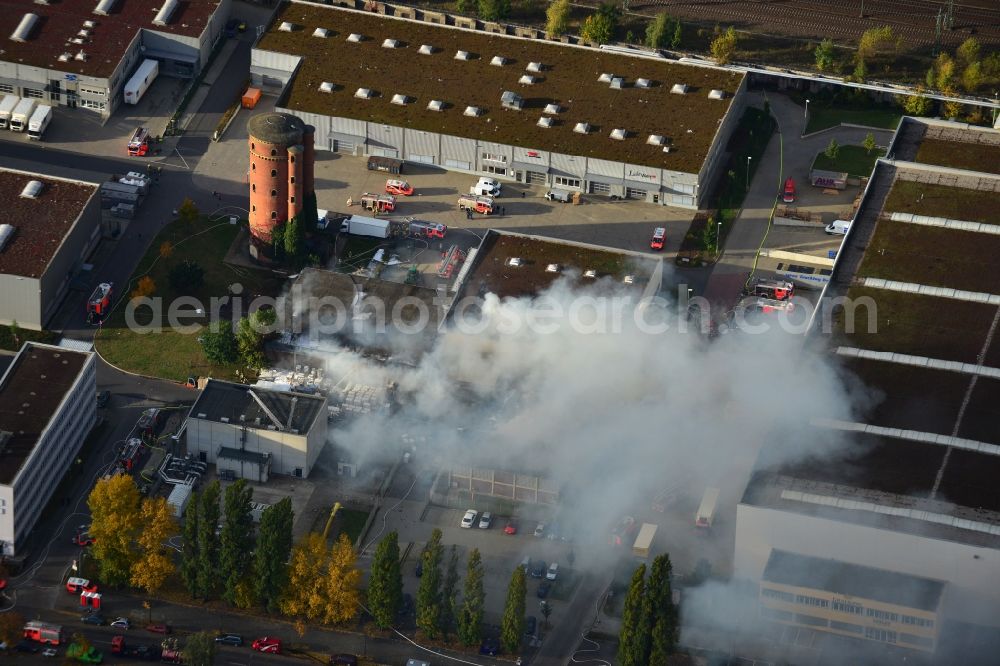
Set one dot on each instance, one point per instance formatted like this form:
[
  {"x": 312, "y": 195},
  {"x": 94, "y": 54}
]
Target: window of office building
[
  {"x": 882, "y": 615},
  {"x": 844, "y": 607},
  {"x": 883, "y": 635},
  {"x": 566, "y": 182},
  {"x": 777, "y": 594},
  {"x": 811, "y": 601},
  {"x": 494, "y": 157},
  {"x": 499, "y": 171}
]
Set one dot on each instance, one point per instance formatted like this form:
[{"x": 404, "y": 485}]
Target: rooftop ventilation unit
[
  {"x": 605, "y": 78},
  {"x": 582, "y": 128},
  {"x": 392, "y": 44},
  {"x": 535, "y": 67},
  {"x": 32, "y": 189},
  {"x": 515, "y": 262},
  {"x": 463, "y": 55},
  {"x": 643, "y": 83},
  {"x": 321, "y": 32},
  {"x": 590, "y": 273},
  {"x": 435, "y": 105},
  {"x": 83, "y": 32},
  {"x": 552, "y": 268},
  {"x": 104, "y": 7},
  {"x": 667, "y": 149},
  {"x": 472, "y": 111},
  {"x": 499, "y": 61},
  {"x": 65, "y": 57},
  {"x": 364, "y": 93},
  {"x": 552, "y": 108},
  {"x": 618, "y": 83},
  {"x": 426, "y": 49},
  {"x": 656, "y": 140},
  {"x": 81, "y": 56},
  {"x": 6, "y": 231},
  {"x": 77, "y": 40},
  {"x": 511, "y": 100},
  {"x": 355, "y": 37},
  {"x": 326, "y": 87},
  {"x": 401, "y": 100},
  {"x": 528, "y": 80},
  {"x": 24, "y": 28},
  {"x": 545, "y": 121},
  {"x": 628, "y": 279},
  {"x": 679, "y": 89},
  {"x": 90, "y": 24},
  {"x": 717, "y": 94},
  {"x": 166, "y": 11},
  {"x": 619, "y": 134},
  {"x": 286, "y": 26}
]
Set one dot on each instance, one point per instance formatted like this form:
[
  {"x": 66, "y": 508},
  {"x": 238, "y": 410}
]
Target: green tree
[
  {"x": 675, "y": 41},
  {"x": 154, "y": 565},
  {"x": 274, "y": 547},
  {"x": 114, "y": 519},
  {"x": 15, "y": 334},
  {"x": 968, "y": 51},
  {"x": 663, "y": 618},
  {"x": 917, "y": 104},
  {"x": 493, "y": 10},
  {"x": 429, "y": 590},
  {"x": 470, "y": 617},
  {"x": 278, "y": 241},
  {"x": 219, "y": 342},
  {"x": 186, "y": 277},
  {"x": 293, "y": 239},
  {"x": 860, "y": 73},
  {"x": 188, "y": 212},
  {"x": 208, "y": 542},
  {"x": 631, "y": 645},
  {"x": 199, "y": 649},
  {"x": 189, "y": 553},
  {"x": 236, "y": 540},
  {"x": 659, "y": 31},
  {"x": 951, "y": 110},
  {"x": 944, "y": 68},
  {"x": 512, "y": 624},
  {"x": 557, "y": 18},
  {"x": 723, "y": 47},
  {"x": 448, "y": 594},
  {"x": 869, "y": 144},
  {"x": 250, "y": 344},
  {"x": 385, "y": 584},
  {"x": 465, "y": 6},
  {"x": 598, "y": 28},
  {"x": 832, "y": 149},
  {"x": 825, "y": 57},
  {"x": 874, "y": 41},
  {"x": 972, "y": 77}
]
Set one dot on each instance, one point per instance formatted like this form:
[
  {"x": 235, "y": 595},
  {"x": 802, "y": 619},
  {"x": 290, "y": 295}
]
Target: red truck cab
[{"x": 788, "y": 196}]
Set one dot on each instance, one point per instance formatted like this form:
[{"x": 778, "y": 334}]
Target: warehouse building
[
  {"x": 47, "y": 409},
  {"x": 894, "y": 538},
  {"x": 255, "y": 432},
  {"x": 51, "y": 227},
  {"x": 80, "y": 53},
  {"x": 513, "y": 107}
]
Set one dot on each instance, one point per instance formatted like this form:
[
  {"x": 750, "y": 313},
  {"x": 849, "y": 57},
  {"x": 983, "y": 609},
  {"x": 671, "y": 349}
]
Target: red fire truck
[
  {"x": 43, "y": 632},
  {"x": 138, "y": 145},
  {"x": 379, "y": 203},
  {"x": 451, "y": 260},
  {"x": 99, "y": 303}
]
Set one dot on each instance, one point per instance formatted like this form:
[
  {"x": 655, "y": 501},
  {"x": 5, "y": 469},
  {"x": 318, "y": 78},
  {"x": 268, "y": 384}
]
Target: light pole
[
  {"x": 806, "y": 116},
  {"x": 748, "y": 173},
  {"x": 718, "y": 237}
]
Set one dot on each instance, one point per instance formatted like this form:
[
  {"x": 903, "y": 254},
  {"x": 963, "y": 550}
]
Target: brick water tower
[{"x": 281, "y": 174}]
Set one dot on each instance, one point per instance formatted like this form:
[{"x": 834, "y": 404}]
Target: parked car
[
  {"x": 400, "y": 187},
  {"x": 229, "y": 639},
  {"x": 659, "y": 238},
  {"x": 537, "y": 569},
  {"x": 470, "y": 518},
  {"x": 158, "y": 628},
  {"x": 540, "y": 530},
  {"x": 543, "y": 589},
  {"x": 50, "y": 652},
  {"x": 489, "y": 186},
  {"x": 95, "y": 619},
  {"x": 530, "y": 625},
  {"x": 267, "y": 644},
  {"x": 510, "y": 527},
  {"x": 553, "y": 571},
  {"x": 121, "y": 623},
  {"x": 838, "y": 227},
  {"x": 490, "y": 647},
  {"x": 83, "y": 540},
  {"x": 485, "y": 520},
  {"x": 344, "y": 660},
  {"x": 103, "y": 398}
]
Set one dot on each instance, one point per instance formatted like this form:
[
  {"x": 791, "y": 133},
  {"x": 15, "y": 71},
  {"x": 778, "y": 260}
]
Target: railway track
[{"x": 913, "y": 20}]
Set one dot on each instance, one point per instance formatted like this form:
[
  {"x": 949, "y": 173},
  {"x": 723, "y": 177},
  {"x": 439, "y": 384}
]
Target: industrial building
[
  {"x": 255, "y": 432},
  {"x": 51, "y": 226},
  {"x": 489, "y": 99},
  {"x": 80, "y": 53},
  {"x": 894, "y": 538},
  {"x": 47, "y": 409},
  {"x": 281, "y": 174}
]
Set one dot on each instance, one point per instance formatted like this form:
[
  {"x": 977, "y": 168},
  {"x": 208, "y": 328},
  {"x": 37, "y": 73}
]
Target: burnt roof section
[
  {"x": 109, "y": 39},
  {"x": 40, "y": 223},
  {"x": 282, "y": 129},
  {"x": 492, "y": 271},
  {"x": 570, "y": 79},
  {"x": 31, "y": 391},
  {"x": 853, "y": 580},
  {"x": 226, "y": 400}
]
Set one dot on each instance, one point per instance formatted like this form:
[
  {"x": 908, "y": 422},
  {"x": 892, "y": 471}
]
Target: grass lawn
[
  {"x": 348, "y": 521},
  {"x": 972, "y": 156},
  {"x": 8, "y": 342},
  {"x": 822, "y": 117},
  {"x": 956, "y": 203},
  {"x": 855, "y": 160},
  {"x": 166, "y": 352}
]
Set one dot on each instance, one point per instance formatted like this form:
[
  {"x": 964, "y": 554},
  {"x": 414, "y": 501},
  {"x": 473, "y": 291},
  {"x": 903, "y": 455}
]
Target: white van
[
  {"x": 487, "y": 187},
  {"x": 553, "y": 571},
  {"x": 839, "y": 227}
]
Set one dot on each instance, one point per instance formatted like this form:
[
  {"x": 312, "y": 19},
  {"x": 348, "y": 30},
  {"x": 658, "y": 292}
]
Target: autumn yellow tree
[
  {"x": 303, "y": 595},
  {"x": 166, "y": 249},
  {"x": 342, "y": 578},
  {"x": 114, "y": 511},
  {"x": 145, "y": 287},
  {"x": 154, "y": 565}
]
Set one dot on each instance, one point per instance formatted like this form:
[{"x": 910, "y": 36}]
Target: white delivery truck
[
  {"x": 39, "y": 120},
  {"x": 22, "y": 114},
  {"x": 141, "y": 80},
  {"x": 365, "y": 226},
  {"x": 7, "y": 105},
  {"x": 706, "y": 511}
]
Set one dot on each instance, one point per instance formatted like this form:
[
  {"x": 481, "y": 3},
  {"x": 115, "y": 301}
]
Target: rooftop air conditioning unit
[
  {"x": 6, "y": 231},
  {"x": 619, "y": 134},
  {"x": 582, "y": 128},
  {"x": 535, "y": 67},
  {"x": 590, "y": 273},
  {"x": 364, "y": 93},
  {"x": 528, "y": 80},
  {"x": 426, "y": 49},
  {"x": 643, "y": 83},
  {"x": 717, "y": 94},
  {"x": 605, "y": 78},
  {"x": 472, "y": 111},
  {"x": 545, "y": 121},
  {"x": 32, "y": 189},
  {"x": 77, "y": 40},
  {"x": 83, "y": 32},
  {"x": 463, "y": 55},
  {"x": 656, "y": 140},
  {"x": 321, "y": 32},
  {"x": 499, "y": 61},
  {"x": 679, "y": 89},
  {"x": 81, "y": 56},
  {"x": 435, "y": 105},
  {"x": 401, "y": 100},
  {"x": 552, "y": 109},
  {"x": 514, "y": 262},
  {"x": 392, "y": 44},
  {"x": 355, "y": 37},
  {"x": 90, "y": 24},
  {"x": 326, "y": 87},
  {"x": 552, "y": 268},
  {"x": 628, "y": 279},
  {"x": 511, "y": 100},
  {"x": 65, "y": 57},
  {"x": 286, "y": 26}
]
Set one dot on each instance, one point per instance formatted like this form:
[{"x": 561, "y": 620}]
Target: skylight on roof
[
  {"x": 528, "y": 80},
  {"x": 582, "y": 128},
  {"x": 104, "y": 7},
  {"x": 392, "y": 44},
  {"x": 717, "y": 94},
  {"x": 435, "y": 105},
  {"x": 326, "y": 87},
  {"x": 618, "y": 83},
  {"x": 552, "y": 108},
  {"x": 364, "y": 93},
  {"x": 679, "y": 89},
  {"x": 24, "y": 28},
  {"x": 32, "y": 189},
  {"x": 605, "y": 78},
  {"x": 499, "y": 61},
  {"x": 656, "y": 140},
  {"x": 426, "y": 49},
  {"x": 321, "y": 32},
  {"x": 286, "y": 26},
  {"x": 619, "y": 134},
  {"x": 643, "y": 83},
  {"x": 166, "y": 11},
  {"x": 472, "y": 111},
  {"x": 535, "y": 67},
  {"x": 463, "y": 55},
  {"x": 401, "y": 100},
  {"x": 355, "y": 37},
  {"x": 545, "y": 121}
]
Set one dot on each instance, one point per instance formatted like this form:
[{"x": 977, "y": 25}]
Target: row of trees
[
  {"x": 226, "y": 346},
  {"x": 649, "y": 618}
]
